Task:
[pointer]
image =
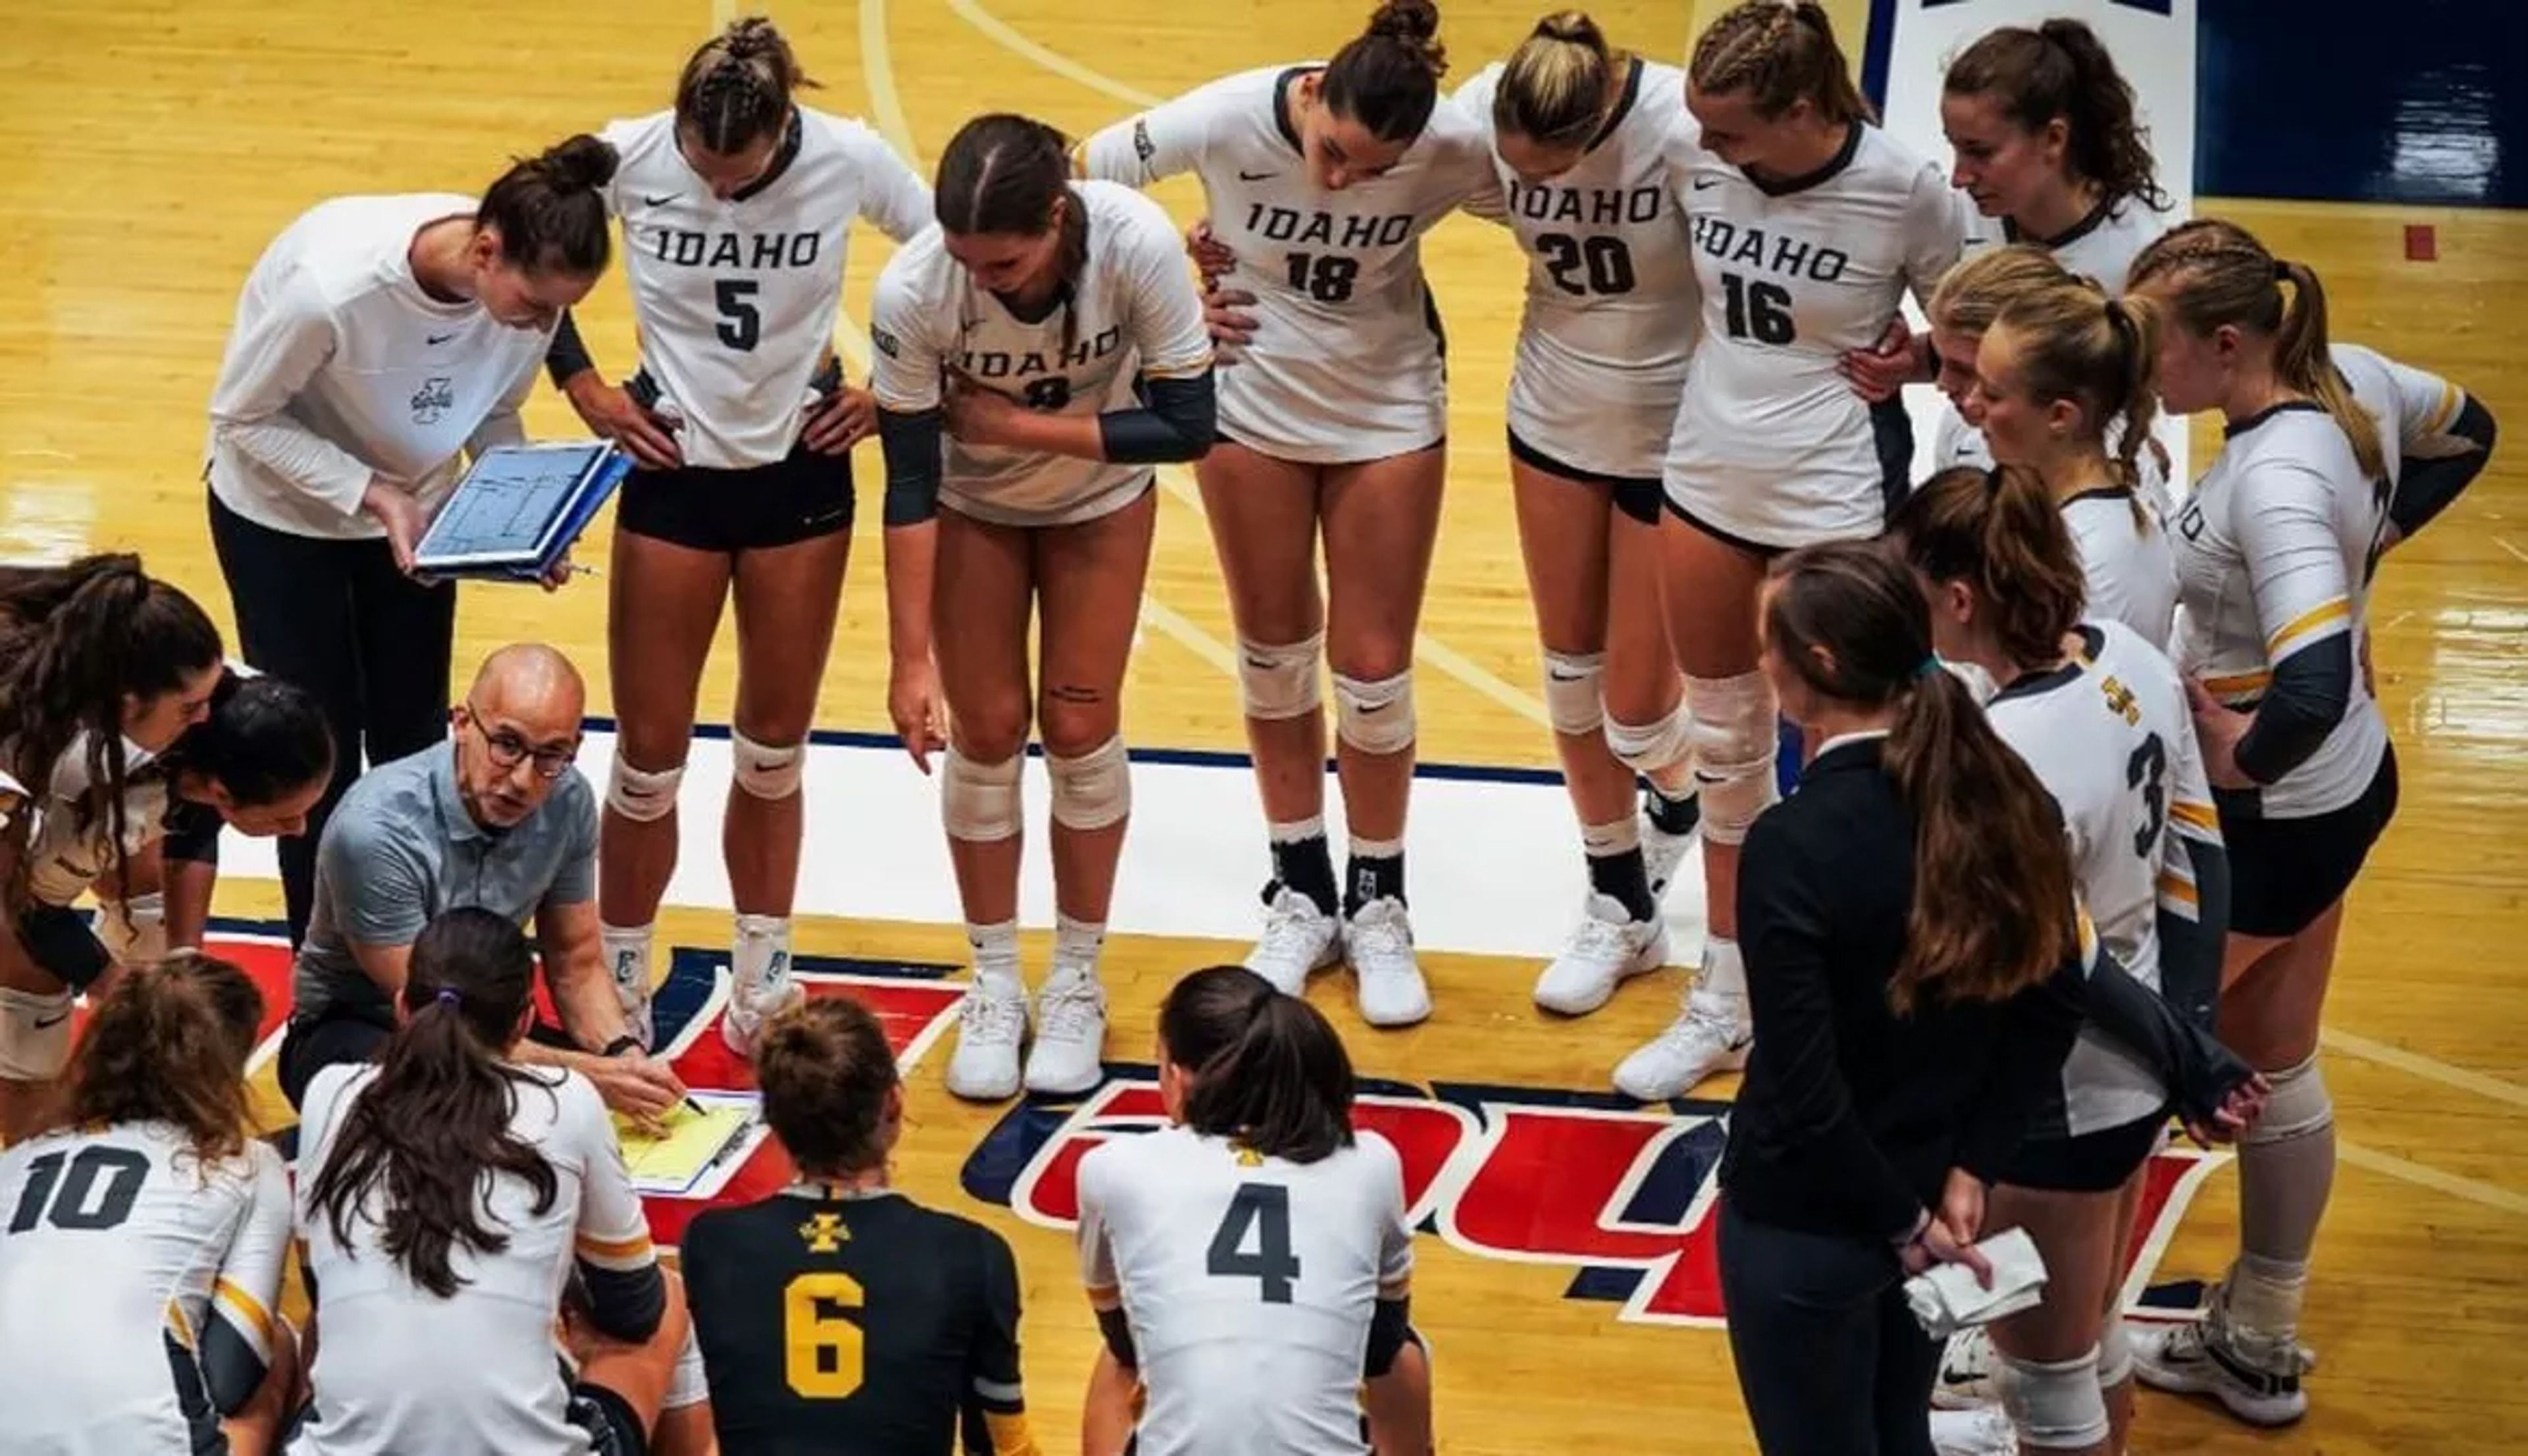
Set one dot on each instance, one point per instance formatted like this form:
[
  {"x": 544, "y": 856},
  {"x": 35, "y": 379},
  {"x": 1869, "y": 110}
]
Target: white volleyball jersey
[
  {"x": 1249, "y": 1283},
  {"x": 1772, "y": 444},
  {"x": 2414, "y": 407},
  {"x": 2274, "y": 554},
  {"x": 72, "y": 840},
  {"x": 375, "y": 1394},
  {"x": 1347, "y": 360},
  {"x": 129, "y": 1273},
  {"x": 2110, "y": 736},
  {"x": 2100, "y": 247},
  {"x": 1133, "y": 312},
  {"x": 340, "y": 368},
  {"x": 2126, "y": 564},
  {"x": 1609, "y": 323},
  {"x": 736, "y": 299}
]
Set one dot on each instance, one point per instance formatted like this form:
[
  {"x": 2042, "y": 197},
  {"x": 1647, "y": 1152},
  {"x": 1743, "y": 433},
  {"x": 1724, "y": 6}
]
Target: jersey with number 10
[
  {"x": 1611, "y": 295},
  {"x": 1248, "y": 1281},
  {"x": 1772, "y": 444},
  {"x": 1345, "y": 360}
]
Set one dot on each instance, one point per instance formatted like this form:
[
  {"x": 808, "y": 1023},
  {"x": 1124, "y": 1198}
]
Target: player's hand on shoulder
[
  {"x": 1212, "y": 258},
  {"x": 611, "y": 411},
  {"x": 840, "y": 420}
]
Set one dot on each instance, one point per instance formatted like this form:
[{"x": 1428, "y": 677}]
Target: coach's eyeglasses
[{"x": 508, "y": 750}]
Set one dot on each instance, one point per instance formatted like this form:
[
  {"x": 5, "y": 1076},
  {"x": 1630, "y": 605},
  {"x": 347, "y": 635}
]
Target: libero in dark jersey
[{"x": 839, "y": 1317}]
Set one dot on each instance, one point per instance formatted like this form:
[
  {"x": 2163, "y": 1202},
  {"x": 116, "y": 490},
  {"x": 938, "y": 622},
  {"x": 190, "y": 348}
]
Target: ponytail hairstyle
[
  {"x": 1266, "y": 1068},
  {"x": 824, "y": 1070},
  {"x": 1387, "y": 77},
  {"x": 431, "y": 1128},
  {"x": 75, "y": 641},
  {"x": 1556, "y": 87},
  {"x": 1976, "y": 288},
  {"x": 736, "y": 87},
  {"x": 264, "y": 740},
  {"x": 169, "y": 1044},
  {"x": 1992, "y": 909},
  {"x": 2061, "y": 71},
  {"x": 2213, "y": 273},
  {"x": 2075, "y": 342},
  {"x": 1781, "y": 52},
  {"x": 550, "y": 209},
  {"x": 1998, "y": 532},
  {"x": 1004, "y": 172}
]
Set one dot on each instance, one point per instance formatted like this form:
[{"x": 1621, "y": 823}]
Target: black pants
[
  {"x": 1830, "y": 1360},
  {"x": 335, "y": 618},
  {"x": 337, "y": 1037}
]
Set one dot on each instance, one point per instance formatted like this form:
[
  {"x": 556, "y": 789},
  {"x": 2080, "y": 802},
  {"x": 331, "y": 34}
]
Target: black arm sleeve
[
  {"x": 2311, "y": 689},
  {"x": 1176, "y": 424},
  {"x": 2425, "y": 488},
  {"x": 1391, "y": 1324},
  {"x": 625, "y": 1304},
  {"x": 193, "y": 834},
  {"x": 2197, "y": 1070},
  {"x": 2189, "y": 950},
  {"x": 1118, "y": 1330},
  {"x": 2038, "y": 1027},
  {"x": 912, "y": 443},
  {"x": 567, "y": 354},
  {"x": 58, "y": 939}
]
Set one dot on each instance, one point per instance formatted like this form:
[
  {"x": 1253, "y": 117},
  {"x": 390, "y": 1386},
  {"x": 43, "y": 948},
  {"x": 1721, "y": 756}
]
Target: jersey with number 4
[
  {"x": 133, "y": 1281},
  {"x": 1771, "y": 445},
  {"x": 1249, "y": 1283},
  {"x": 736, "y": 298},
  {"x": 1346, "y": 362},
  {"x": 1610, "y": 297},
  {"x": 1132, "y": 312},
  {"x": 2111, "y": 737}
]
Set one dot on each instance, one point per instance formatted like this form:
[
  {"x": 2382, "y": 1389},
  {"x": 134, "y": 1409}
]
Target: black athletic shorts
[
  {"x": 1635, "y": 497},
  {"x": 613, "y": 1427},
  {"x": 1755, "y": 548},
  {"x": 793, "y": 500},
  {"x": 2284, "y": 873},
  {"x": 2089, "y": 1163}
]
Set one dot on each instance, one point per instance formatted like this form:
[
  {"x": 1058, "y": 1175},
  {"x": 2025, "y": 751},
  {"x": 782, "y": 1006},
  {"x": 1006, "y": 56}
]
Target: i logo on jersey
[{"x": 1625, "y": 1193}]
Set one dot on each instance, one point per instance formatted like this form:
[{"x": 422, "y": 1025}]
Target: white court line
[
  {"x": 1059, "y": 65},
  {"x": 2429, "y": 1068},
  {"x": 2516, "y": 555},
  {"x": 2490, "y": 1195}
]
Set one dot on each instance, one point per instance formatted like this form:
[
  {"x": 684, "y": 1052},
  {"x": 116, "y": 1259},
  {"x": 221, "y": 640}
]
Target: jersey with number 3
[
  {"x": 1248, "y": 1281},
  {"x": 1611, "y": 295},
  {"x": 133, "y": 1281},
  {"x": 736, "y": 297},
  {"x": 1772, "y": 444},
  {"x": 2110, "y": 736},
  {"x": 1346, "y": 362}
]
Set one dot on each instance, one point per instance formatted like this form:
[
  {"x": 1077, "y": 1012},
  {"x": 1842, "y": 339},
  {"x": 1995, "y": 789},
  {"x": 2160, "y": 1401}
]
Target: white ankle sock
[{"x": 996, "y": 958}]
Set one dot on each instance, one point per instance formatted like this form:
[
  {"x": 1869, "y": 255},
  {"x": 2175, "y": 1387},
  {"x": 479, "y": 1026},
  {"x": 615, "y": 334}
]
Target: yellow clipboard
[{"x": 691, "y": 1138}]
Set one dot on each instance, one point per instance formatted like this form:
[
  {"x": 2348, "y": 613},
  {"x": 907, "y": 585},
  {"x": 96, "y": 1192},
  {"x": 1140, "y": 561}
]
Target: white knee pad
[
  {"x": 1649, "y": 748},
  {"x": 980, "y": 802},
  {"x": 2297, "y": 1106},
  {"x": 1572, "y": 704},
  {"x": 639, "y": 794},
  {"x": 2056, "y": 1404},
  {"x": 1280, "y": 682},
  {"x": 1094, "y": 790},
  {"x": 765, "y": 771},
  {"x": 1734, "y": 740},
  {"x": 1375, "y": 717},
  {"x": 2115, "y": 1354},
  {"x": 133, "y": 931},
  {"x": 34, "y": 1034}
]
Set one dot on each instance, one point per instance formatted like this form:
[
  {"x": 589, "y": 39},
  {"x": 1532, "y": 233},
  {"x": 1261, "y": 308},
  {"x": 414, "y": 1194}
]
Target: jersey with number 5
[
  {"x": 1772, "y": 444},
  {"x": 2109, "y": 735},
  {"x": 1346, "y": 362},
  {"x": 1249, "y": 1283}
]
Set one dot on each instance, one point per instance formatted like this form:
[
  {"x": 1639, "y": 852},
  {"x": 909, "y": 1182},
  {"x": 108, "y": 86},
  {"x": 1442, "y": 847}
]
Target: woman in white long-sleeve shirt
[{"x": 378, "y": 342}]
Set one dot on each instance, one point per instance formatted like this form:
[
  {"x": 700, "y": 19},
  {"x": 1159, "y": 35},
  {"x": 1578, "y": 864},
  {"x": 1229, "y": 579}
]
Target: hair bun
[
  {"x": 751, "y": 36},
  {"x": 1573, "y": 27},
  {"x": 1413, "y": 23},
  {"x": 578, "y": 164}
]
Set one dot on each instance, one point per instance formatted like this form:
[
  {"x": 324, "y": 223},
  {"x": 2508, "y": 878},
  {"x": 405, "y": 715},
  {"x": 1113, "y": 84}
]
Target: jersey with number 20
[{"x": 1248, "y": 1281}]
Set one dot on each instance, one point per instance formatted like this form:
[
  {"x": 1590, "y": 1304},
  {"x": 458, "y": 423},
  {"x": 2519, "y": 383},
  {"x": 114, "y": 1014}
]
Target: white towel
[{"x": 1947, "y": 1299}]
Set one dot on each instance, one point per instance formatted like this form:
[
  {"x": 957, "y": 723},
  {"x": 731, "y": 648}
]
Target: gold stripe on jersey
[
  {"x": 2453, "y": 400},
  {"x": 180, "y": 1327},
  {"x": 2201, "y": 817},
  {"x": 634, "y": 1250},
  {"x": 1009, "y": 1434},
  {"x": 2181, "y": 890},
  {"x": 2239, "y": 685},
  {"x": 2305, "y": 625},
  {"x": 232, "y": 1295},
  {"x": 1189, "y": 371}
]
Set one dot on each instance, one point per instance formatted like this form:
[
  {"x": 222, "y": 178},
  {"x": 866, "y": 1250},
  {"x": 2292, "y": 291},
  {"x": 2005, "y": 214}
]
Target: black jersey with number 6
[{"x": 856, "y": 1325}]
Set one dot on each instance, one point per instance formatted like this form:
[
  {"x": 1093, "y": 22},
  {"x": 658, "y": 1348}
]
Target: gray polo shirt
[{"x": 400, "y": 849}]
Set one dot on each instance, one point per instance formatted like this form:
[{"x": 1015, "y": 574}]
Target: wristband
[{"x": 622, "y": 1044}]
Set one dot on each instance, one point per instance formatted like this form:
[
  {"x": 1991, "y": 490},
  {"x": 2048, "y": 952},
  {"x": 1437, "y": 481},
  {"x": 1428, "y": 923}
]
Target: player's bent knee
[
  {"x": 1094, "y": 790},
  {"x": 766, "y": 770},
  {"x": 1651, "y": 748},
  {"x": 1574, "y": 683},
  {"x": 1374, "y": 716},
  {"x": 2115, "y": 1353},
  {"x": 1281, "y": 682},
  {"x": 134, "y": 930},
  {"x": 643, "y": 795},
  {"x": 2299, "y": 1105},
  {"x": 1734, "y": 738},
  {"x": 980, "y": 800},
  {"x": 2057, "y": 1404},
  {"x": 34, "y": 1034}
]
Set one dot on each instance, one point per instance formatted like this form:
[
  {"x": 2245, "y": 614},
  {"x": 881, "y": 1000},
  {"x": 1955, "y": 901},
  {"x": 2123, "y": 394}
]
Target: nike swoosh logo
[
  {"x": 1702, "y": 182},
  {"x": 437, "y": 340},
  {"x": 1255, "y": 175},
  {"x": 649, "y": 201},
  {"x": 1951, "y": 1376},
  {"x": 1568, "y": 677},
  {"x": 55, "y": 1021}
]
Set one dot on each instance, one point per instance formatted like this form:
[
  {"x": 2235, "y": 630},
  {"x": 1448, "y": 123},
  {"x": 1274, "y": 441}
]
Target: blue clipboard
[{"x": 520, "y": 508}]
